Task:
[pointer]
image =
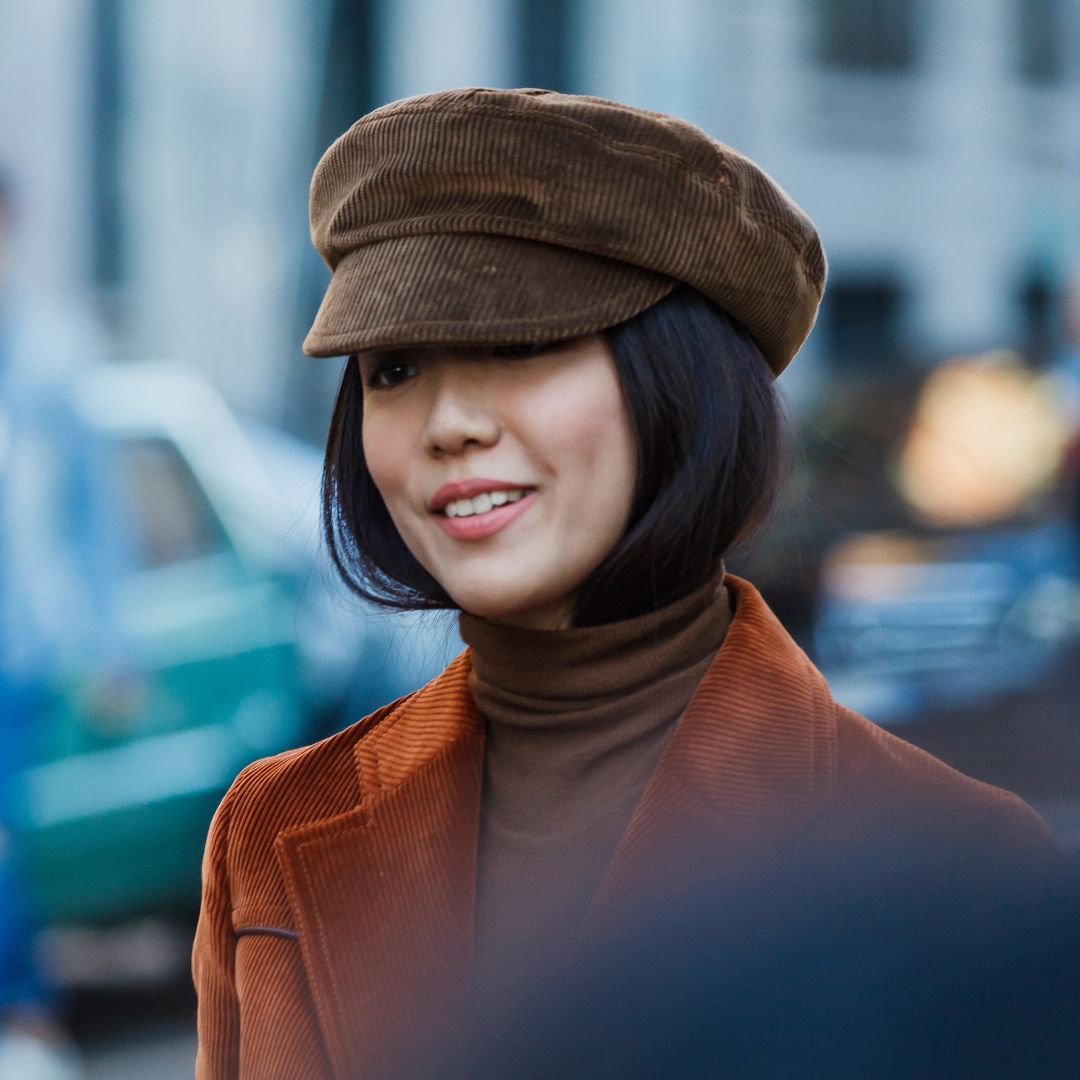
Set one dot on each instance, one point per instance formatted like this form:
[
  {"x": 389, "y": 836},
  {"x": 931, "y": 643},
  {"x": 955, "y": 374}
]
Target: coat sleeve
[{"x": 213, "y": 960}]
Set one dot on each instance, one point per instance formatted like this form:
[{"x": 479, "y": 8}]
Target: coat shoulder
[
  {"x": 306, "y": 782},
  {"x": 272, "y": 795},
  {"x": 876, "y": 767}
]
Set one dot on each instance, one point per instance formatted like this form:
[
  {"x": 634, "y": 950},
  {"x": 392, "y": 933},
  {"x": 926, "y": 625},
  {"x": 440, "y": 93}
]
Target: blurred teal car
[{"x": 222, "y": 640}]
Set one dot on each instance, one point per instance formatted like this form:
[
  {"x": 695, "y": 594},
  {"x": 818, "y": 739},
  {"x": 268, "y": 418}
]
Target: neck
[{"x": 556, "y": 616}]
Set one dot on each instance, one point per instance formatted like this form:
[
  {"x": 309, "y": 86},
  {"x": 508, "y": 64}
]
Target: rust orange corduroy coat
[{"x": 338, "y": 880}]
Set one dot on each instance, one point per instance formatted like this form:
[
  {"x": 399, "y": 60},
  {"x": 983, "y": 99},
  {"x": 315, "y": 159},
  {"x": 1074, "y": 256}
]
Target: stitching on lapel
[{"x": 323, "y": 942}]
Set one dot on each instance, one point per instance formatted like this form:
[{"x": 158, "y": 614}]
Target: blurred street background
[{"x": 166, "y": 611}]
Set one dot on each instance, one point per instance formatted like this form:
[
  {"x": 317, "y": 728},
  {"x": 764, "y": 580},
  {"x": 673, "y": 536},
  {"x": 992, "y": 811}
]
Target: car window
[{"x": 172, "y": 520}]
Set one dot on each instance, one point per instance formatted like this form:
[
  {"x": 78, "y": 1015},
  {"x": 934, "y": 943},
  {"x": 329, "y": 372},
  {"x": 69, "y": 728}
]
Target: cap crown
[{"x": 583, "y": 174}]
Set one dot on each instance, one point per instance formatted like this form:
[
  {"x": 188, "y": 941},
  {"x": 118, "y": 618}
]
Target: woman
[{"x": 563, "y": 318}]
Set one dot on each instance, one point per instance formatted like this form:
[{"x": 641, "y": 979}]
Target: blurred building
[{"x": 164, "y": 151}]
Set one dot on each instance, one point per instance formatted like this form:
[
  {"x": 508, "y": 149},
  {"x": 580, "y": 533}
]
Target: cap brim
[{"x": 473, "y": 289}]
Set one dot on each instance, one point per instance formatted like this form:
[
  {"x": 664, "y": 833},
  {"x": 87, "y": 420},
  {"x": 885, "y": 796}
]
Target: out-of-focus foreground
[{"x": 166, "y": 611}]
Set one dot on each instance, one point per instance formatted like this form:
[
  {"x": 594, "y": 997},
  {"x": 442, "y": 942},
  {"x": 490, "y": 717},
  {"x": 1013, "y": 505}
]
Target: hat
[{"x": 480, "y": 216}]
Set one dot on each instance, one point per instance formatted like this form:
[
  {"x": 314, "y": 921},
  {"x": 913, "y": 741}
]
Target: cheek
[
  {"x": 603, "y": 443},
  {"x": 613, "y": 475},
  {"x": 588, "y": 436},
  {"x": 385, "y": 457}
]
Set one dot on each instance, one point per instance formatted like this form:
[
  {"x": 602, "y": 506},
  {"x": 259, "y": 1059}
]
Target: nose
[{"x": 461, "y": 414}]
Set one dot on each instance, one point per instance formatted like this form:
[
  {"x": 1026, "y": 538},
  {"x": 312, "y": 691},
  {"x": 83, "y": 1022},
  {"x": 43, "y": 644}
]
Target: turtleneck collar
[
  {"x": 560, "y": 672},
  {"x": 576, "y": 721}
]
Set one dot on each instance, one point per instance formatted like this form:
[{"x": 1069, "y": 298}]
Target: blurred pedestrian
[
  {"x": 44, "y": 525},
  {"x": 563, "y": 318}
]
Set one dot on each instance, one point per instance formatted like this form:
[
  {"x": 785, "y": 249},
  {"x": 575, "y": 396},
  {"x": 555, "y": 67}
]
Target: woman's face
[{"x": 510, "y": 476}]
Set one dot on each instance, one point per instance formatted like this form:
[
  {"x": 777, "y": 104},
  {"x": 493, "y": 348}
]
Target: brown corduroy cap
[{"x": 480, "y": 216}]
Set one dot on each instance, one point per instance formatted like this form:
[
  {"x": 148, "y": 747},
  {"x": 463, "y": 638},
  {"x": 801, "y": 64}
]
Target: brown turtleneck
[{"x": 576, "y": 722}]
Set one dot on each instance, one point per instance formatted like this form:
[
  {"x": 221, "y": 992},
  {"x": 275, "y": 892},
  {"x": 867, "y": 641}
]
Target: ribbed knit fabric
[{"x": 575, "y": 721}]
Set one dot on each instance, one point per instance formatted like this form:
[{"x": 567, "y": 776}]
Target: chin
[
  {"x": 511, "y": 603},
  {"x": 496, "y": 607}
]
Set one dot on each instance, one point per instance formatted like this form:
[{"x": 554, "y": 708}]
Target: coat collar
[{"x": 383, "y": 895}]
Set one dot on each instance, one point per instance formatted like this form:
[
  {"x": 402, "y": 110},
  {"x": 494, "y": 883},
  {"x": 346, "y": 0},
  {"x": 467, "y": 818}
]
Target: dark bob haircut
[{"x": 707, "y": 423}]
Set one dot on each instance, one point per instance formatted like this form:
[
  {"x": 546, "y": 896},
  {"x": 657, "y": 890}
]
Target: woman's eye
[{"x": 385, "y": 375}]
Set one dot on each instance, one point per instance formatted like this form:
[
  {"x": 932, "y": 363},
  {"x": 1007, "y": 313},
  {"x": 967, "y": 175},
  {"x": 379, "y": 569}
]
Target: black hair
[{"x": 707, "y": 424}]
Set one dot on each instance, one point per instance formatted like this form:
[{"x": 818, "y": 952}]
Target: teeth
[{"x": 481, "y": 504}]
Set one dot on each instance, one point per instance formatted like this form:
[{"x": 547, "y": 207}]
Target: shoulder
[
  {"x": 877, "y": 769},
  {"x": 315, "y": 782},
  {"x": 877, "y": 783},
  {"x": 269, "y": 797},
  {"x": 291, "y": 788},
  {"x": 306, "y": 783},
  {"x": 308, "y": 786}
]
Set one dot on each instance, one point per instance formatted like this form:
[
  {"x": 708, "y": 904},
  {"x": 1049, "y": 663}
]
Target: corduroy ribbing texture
[
  {"x": 481, "y": 216},
  {"x": 338, "y": 909}
]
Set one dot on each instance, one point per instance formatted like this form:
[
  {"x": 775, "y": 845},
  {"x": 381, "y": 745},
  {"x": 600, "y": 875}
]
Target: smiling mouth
[{"x": 483, "y": 503}]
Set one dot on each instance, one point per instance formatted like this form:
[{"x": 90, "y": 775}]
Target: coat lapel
[
  {"x": 383, "y": 895},
  {"x": 752, "y": 760}
]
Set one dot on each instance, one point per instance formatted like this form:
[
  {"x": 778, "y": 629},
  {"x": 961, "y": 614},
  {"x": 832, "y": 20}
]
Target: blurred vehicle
[
  {"x": 961, "y": 621},
  {"x": 226, "y": 641},
  {"x": 979, "y": 594},
  {"x": 910, "y": 624}
]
